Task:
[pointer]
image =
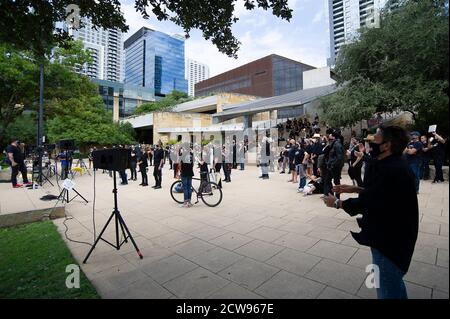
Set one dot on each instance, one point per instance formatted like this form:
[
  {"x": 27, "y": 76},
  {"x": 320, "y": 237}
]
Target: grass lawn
[{"x": 33, "y": 260}]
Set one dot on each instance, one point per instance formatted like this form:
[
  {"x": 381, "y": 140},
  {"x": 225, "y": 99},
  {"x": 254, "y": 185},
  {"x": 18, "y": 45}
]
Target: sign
[
  {"x": 432, "y": 128},
  {"x": 68, "y": 184}
]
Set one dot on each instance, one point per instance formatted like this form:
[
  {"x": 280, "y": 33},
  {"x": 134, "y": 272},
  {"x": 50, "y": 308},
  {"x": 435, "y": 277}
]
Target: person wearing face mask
[
  {"x": 389, "y": 206},
  {"x": 413, "y": 154}
]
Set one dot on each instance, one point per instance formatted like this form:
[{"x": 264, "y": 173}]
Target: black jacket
[
  {"x": 390, "y": 210},
  {"x": 335, "y": 156}
]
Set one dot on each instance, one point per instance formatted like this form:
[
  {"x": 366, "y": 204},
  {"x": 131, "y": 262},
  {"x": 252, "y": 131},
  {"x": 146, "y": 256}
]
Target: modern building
[
  {"x": 122, "y": 99},
  {"x": 232, "y": 113},
  {"x": 195, "y": 72},
  {"x": 346, "y": 17},
  {"x": 155, "y": 60},
  {"x": 269, "y": 76},
  {"x": 106, "y": 51}
]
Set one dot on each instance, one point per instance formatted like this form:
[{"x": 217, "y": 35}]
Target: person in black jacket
[
  {"x": 388, "y": 204},
  {"x": 158, "y": 162},
  {"x": 133, "y": 164},
  {"x": 143, "y": 164},
  {"x": 334, "y": 162}
]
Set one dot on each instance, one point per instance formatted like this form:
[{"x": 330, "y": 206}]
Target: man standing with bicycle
[{"x": 187, "y": 172}]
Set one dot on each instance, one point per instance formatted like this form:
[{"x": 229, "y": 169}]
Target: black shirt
[
  {"x": 158, "y": 156},
  {"x": 299, "y": 156},
  {"x": 17, "y": 153},
  {"x": 390, "y": 210},
  {"x": 187, "y": 165}
]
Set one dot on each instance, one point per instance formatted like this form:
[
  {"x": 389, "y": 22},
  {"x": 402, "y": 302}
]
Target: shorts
[{"x": 291, "y": 166}]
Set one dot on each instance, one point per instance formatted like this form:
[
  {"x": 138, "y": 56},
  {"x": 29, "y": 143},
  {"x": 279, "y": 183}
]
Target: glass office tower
[{"x": 155, "y": 60}]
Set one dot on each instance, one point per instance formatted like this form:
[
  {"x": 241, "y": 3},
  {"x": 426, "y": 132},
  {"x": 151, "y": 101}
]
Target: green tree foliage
[
  {"x": 400, "y": 66},
  {"x": 29, "y": 24},
  {"x": 73, "y": 107},
  {"x": 165, "y": 104}
]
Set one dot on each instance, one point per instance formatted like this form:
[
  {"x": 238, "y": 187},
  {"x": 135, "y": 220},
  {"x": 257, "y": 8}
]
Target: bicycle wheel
[
  {"x": 176, "y": 191},
  {"x": 211, "y": 194}
]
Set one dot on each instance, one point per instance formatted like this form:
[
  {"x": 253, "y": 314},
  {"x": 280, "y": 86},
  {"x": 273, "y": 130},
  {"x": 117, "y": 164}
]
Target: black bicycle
[{"x": 209, "y": 192}]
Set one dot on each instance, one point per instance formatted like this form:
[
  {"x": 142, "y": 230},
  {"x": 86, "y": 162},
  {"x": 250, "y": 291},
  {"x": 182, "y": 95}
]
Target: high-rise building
[
  {"x": 346, "y": 17},
  {"x": 106, "y": 51},
  {"x": 155, "y": 60},
  {"x": 195, "y": 72}
]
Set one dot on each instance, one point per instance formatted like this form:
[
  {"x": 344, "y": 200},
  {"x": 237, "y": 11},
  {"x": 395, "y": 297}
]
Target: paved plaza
[{"x": 263, "y": 241}]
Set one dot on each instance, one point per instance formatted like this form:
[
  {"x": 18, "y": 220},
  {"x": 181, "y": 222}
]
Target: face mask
[{"x": 375, "y": 149}]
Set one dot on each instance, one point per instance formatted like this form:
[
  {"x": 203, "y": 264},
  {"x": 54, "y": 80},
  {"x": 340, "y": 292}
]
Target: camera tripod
[{"x": 118, "y": 222}]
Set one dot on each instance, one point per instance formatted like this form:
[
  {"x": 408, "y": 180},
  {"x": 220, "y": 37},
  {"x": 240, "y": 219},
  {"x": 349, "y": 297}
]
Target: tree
[
  {"x": 400, "y": 66},
  {"x": 30, "y": 25},
  {"x": 165, "y": 104},
  {"x": 19, "y": 78}
]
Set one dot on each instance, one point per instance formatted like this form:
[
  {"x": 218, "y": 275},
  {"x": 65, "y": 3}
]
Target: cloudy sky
[{"x": 304, "y": 38}]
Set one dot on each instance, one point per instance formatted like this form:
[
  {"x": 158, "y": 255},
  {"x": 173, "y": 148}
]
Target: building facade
[
  {"x": 346, "y": 17},
  {"x": 122, "y": 99},
  {"x": 155, "y": 60},
  {"x": 105, "y": 47},
  {"x": 269, "y": 76},
  {"x": 195, "y": 72}
]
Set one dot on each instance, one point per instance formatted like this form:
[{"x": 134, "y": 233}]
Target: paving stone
[
  {"x": 442, "y": 258},
  {"x": 259, "y": 250},
  {"x": 425, "y": 239},
  {"x": 428, "y": 275},
  {"x": 330, "y": 234},
  {"x": 285, "y": 285},
  {"x": 234, "y": 291},
  {"x": 332, "y": 251},
  {"x": 294, "y": 261},
  {"x": 267, "y": 234},
  {"x": 142, "y": 289},
  {"x": 168, "y": 268},
  {"x": 242, "y": 228},
  {"x": 361, "y": 259},
  {"x": 272, "y": 222},
  {"x": 231, "y": 241},
  {"x": 439, "y": 294},
  {"x": 171, "y": 239},
  {"x": 192, "y": 248},
  {"x": 297, "y": 242},
  {"x": 196, "y": 284},
  {"x": 425, "y": 254},
  {"x": 249, "y": 273},
  {"x": 333, "y": 293},
  {"x": 216, "y": 259},
  {"x": 337, "y": 275},
  {"x": 208, "y": 233},
  {"x": 297, "y": 227},
  {"x": 326, "y": 221}
]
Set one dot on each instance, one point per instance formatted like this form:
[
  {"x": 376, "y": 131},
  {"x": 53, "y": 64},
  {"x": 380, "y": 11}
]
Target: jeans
[
  {"x": 302, "y": 183},
  {"x": 391, "y": 278},
  {"x": 144, "y": 176},
  {"x": 242, "y": 166},
  {"x": 415, "y": 167},
  {"x": 187, "y": 188}
]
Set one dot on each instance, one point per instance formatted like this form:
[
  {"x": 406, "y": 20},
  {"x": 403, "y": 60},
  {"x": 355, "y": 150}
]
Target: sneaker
[
  {"x": 17, "y": 186},
  {"x": 300, "y": 190},
  {"x": 158, "y": 187},
  {"x": 282, "y": 172},
  {"x": 28, "y": 183}
]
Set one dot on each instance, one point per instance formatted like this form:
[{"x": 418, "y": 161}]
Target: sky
[{"x": 305, "y": 38}]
